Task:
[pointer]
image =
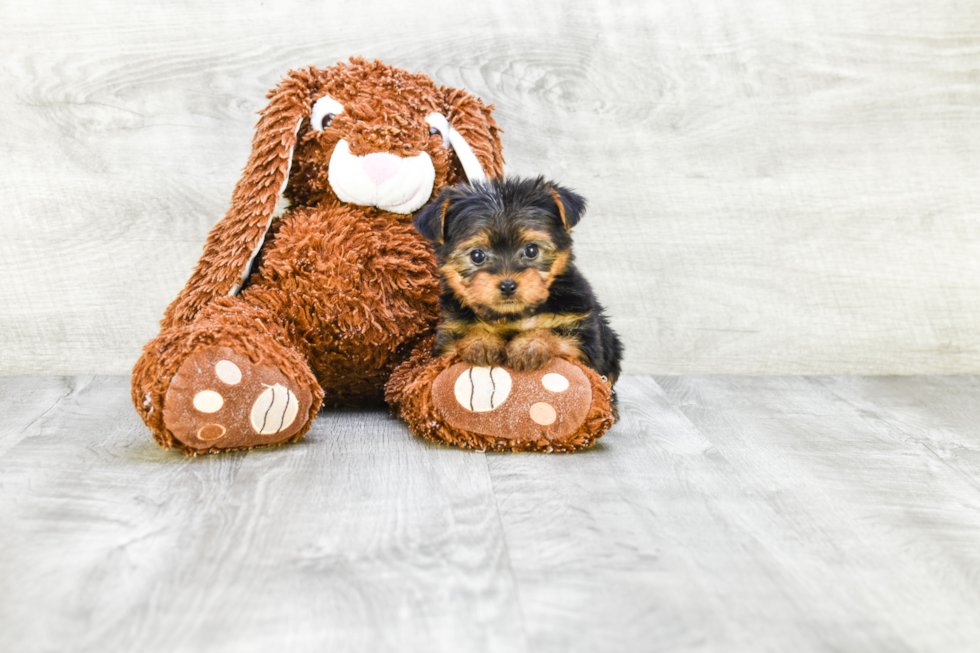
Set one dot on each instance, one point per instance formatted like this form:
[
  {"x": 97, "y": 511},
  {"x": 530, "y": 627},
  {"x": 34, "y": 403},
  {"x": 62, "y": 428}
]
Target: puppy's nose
[{"x": 507, "y": 287}]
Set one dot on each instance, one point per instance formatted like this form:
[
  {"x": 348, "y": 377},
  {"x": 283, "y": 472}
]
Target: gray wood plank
[
  {"x": 25, "y": 401},
  {"x": 774, "y": 187},
  {"x": 870, "y": 534},
  {"x": 358, "y": 538},
  {"x": 939, "y": 414}
]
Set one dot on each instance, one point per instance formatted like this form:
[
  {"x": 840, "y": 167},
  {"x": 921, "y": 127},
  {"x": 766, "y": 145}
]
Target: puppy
[{"x": 511, "y": 294}]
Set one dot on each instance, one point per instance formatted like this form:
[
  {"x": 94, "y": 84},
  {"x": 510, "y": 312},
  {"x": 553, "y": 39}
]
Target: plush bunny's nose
[
  {"x": 507, "y": 287},
  {"x": 380, "y": 166}
]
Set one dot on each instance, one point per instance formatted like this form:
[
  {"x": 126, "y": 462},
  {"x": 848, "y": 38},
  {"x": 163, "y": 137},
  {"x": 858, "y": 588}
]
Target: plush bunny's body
[
  {"x": 337, "y": 298},
  {"x": 322, "y": 303}
]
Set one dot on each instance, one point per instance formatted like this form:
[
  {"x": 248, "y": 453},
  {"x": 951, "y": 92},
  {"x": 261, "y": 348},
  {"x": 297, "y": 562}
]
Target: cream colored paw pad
[
  {"x": 274, "y": 410},
  {"x": 208, "y": 401},
  {"x": 228, "y": 372},
  {"x": 481, "y": 389},
  {"x": 554, "y": 382}
]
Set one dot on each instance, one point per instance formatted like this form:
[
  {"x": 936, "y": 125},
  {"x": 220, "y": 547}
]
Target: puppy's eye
[
  {"x": 327, "y": 119},
  {"x": 478, "y": 256},
  {"x": 531, "y": 251}
]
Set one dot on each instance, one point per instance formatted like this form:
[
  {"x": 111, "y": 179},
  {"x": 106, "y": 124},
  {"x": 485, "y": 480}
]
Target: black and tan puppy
[{"x": 511, "y": 294}]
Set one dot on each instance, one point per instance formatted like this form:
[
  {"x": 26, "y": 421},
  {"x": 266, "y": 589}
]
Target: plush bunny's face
[
  {"x": 360, "y": 133},
  {"x": 376, "y": 136}
]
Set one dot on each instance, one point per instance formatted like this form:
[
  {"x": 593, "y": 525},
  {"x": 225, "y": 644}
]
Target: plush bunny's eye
[
  {"x": 324, "y": 111},
  {"x": 433, "y": 131}
]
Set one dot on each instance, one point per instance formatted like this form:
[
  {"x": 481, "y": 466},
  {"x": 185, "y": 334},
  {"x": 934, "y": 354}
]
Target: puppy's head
[{"x": 501, "y": 244}]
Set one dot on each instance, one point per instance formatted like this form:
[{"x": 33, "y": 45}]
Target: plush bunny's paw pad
[
  {"x": 547, "y": 404},
  {"x": 219, "y": 398}
]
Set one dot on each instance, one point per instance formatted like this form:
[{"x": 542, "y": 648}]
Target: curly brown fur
[
  {"x": 339, "y": 293},
  {"x": 508, "y": 275}
]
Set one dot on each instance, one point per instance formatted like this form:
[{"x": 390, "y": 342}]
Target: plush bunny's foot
[
  {"x": 547, "y": 404},
  {"x": 541, "y": 410},
  {"x": 219, "y": 399},
  {"x": 563, "y": 407}
]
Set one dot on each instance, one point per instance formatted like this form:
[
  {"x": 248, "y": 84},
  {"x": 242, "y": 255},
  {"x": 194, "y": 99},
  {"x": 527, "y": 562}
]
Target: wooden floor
[{"x": 721, "y": 514}]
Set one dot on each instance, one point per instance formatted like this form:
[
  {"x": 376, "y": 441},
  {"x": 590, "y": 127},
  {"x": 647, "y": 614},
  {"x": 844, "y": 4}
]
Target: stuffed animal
[{"x": 321, "y": 305}]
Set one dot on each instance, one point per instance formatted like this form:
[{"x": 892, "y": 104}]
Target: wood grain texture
[
  {"x": 25, "y": 403},
  {"x": 359, "y": 538},
  {"x": 774, "y": 187},
  {"x": 720, "y": 514},
  {"x": 859, "y": 522}
]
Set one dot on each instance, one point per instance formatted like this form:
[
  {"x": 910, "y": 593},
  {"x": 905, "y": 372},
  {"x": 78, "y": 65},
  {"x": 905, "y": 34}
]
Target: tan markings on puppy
[
  {"x": 551, "y": 321},
  {"x": 440, "y": 238},
  {"x": 533, "y": 235},
  {"x": 477, "y": 242},
  {"x": 460, "y": 273},
  {"x": 558, "y": 267},
  {"x": 455, "y": 281},
  {"x": 454, "y": 327},
  {"x": 442, "y": 221},
  {"x": 484, "y": 290},
  {"x": 534, "y": 349},
  {"x": 532, "y": 287},
  {"x": 481, "y": 347},
  {"x": 509, "y": 328},
  {"x": 561, "y": 209},
  {"x": 453, "y": 330}
]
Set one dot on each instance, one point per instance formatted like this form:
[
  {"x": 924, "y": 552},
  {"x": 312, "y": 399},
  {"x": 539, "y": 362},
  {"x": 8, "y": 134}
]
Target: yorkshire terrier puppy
[{"x": 511, "y": 294}]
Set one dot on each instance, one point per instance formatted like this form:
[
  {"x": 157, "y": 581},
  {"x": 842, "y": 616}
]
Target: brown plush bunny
[{"x": 322, "y": 304}]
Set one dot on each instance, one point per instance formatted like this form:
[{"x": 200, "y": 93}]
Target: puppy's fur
[{"x": 511, "y": 294}]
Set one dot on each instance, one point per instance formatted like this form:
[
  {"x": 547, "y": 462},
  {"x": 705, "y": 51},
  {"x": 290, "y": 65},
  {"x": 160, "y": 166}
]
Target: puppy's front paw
[
  {"x": 527, "y": 354},
  {"x": 483, "y": 350}
]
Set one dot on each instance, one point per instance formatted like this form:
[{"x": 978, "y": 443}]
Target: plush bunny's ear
[
  {"x": 431, "y": 220},
  {"x": 571, "y": 205},
  {"x": 454, "y": 141},
  {"x": 235, "y": 241},
  {"x": 468, "y": 128}
]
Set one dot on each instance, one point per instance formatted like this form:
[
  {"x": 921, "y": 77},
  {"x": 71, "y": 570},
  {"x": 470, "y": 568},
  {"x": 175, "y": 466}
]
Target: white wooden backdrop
[{"x": 775, "y": 186}]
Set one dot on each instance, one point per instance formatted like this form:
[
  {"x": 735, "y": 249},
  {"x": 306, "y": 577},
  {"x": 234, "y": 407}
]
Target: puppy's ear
[
  {"x": 431, "y": 220},
  {"x": 571, "y": 205}
]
